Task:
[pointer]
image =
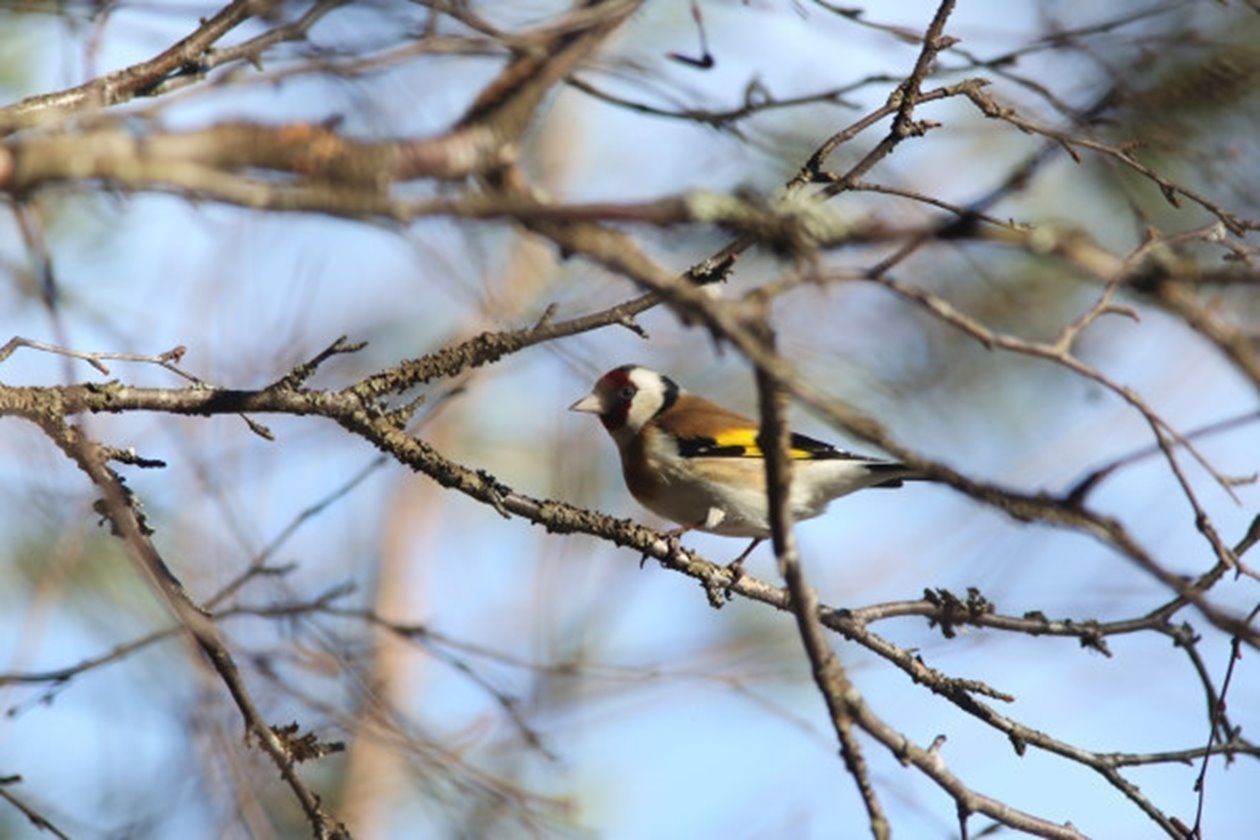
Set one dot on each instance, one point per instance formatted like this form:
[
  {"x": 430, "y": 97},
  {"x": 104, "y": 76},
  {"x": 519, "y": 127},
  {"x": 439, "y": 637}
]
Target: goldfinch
[{"x": 698, "y": 464}]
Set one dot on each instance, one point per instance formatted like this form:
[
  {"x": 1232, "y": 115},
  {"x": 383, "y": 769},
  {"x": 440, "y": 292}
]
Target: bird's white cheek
[{"x": 643, "y": 408}]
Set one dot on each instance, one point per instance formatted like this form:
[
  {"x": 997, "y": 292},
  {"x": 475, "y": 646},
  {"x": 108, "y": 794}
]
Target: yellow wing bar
[{"x": 744, "y": 443}]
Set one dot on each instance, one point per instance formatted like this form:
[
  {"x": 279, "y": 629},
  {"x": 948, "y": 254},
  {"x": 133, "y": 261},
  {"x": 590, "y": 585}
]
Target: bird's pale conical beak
[{"x": 591, "y": 404}]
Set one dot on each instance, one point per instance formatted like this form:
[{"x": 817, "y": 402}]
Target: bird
[{"x": 701, "y": 465}]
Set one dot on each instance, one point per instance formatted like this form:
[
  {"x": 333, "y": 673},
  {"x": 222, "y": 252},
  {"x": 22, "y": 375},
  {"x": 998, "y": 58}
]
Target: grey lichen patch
[{"x": 792, "y": 224}]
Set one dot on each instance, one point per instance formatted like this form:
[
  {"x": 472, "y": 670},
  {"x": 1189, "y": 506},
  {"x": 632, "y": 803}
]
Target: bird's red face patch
[{"x": 616, "y": 390}]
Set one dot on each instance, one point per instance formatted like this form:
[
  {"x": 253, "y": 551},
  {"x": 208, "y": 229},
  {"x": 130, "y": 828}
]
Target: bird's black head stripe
[{"x": 670, "y": 395}]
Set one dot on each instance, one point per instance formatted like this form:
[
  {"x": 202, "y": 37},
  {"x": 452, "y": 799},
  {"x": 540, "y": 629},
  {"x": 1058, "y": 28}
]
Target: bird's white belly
[{"x": 723, "y": 495}]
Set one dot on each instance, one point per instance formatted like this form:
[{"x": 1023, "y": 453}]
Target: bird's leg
[
  {"x": 712, "y": 518},
  {"x": 736, "y": 566},
  {"x": 672, "y": 539}
]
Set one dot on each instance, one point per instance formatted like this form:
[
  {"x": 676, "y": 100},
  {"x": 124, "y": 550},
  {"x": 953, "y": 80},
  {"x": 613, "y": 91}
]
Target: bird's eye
[{"x": 626, "y": 392}]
